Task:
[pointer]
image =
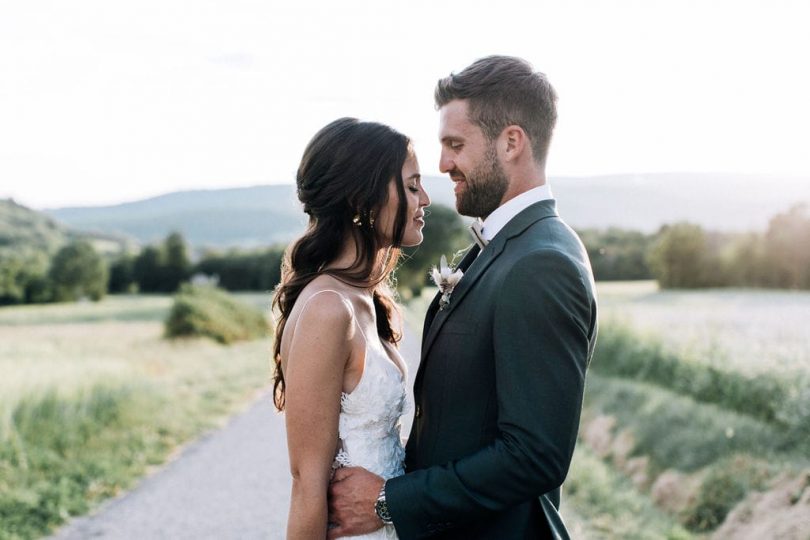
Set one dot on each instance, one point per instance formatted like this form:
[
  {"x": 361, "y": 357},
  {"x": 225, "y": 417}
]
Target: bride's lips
[{"x": 420, "y": 220}]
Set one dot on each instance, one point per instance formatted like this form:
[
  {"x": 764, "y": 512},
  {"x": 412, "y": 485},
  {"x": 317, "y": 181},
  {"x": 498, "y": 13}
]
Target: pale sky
[{"x": 104, "y": 101}]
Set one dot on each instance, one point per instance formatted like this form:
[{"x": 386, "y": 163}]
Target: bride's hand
[{"x": 352, "y": 494}]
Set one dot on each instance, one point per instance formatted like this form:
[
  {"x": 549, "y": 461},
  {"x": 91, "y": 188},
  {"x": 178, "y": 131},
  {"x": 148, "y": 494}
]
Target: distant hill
[
  {"x": 263, "y": 215},
  {"x": 21, "y": 226},
  {"x": 731, "y": 203},
  {"x": 24, "y": 229},
  {"x": 247, "y": 217}
]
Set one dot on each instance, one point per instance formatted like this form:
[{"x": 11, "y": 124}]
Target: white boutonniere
[{"x": 446, "y": 279}]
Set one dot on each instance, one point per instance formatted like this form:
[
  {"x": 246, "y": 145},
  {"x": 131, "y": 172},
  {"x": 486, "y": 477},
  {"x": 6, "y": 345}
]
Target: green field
[
  {"x": 91, "y": 395},
  {"x": 696, "y": 420},
  {"x": 752, "y": 331},
  {"x": 700, "y": 402}
]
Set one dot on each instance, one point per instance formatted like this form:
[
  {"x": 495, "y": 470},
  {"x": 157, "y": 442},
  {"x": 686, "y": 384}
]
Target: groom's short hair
[{"x": 503, "y": 91}]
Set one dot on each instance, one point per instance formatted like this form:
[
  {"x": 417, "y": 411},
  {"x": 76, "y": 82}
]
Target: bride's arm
[{"x": 315, "y": 366}]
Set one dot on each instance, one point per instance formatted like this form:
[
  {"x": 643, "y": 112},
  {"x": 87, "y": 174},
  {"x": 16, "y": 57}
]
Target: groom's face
[{"x": 471, "y": 160}]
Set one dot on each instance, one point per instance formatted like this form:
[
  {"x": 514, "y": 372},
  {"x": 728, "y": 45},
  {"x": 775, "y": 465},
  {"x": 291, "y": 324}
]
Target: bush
[
  {"x": 685, "y": 256},
  {"x": 618, "y": 254},
  {"x": 211, "y": 312},
  {"x": 612, "y": 506},
  {"x": 23, "y": 276},
  {"x": 788, "y": 263},
  {"x": 724, "y": 486},
  {"x": 163, "y": 267},
  {"x": 77, "y": 271},
  {"x": 244, "y": 271},
  {"x": 122, "y": 274},
  {"x": 679, "y": 257}
]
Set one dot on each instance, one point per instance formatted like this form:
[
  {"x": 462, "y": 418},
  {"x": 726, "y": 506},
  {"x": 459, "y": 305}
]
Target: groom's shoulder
[
  {"x": 543, "y": 257},
  {"x": 551, "y": 233},
  {"x": 551, "y": 245}
]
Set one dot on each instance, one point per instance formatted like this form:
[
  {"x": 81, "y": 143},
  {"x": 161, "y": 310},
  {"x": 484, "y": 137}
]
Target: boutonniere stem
[{"x": 446, "y": 278}]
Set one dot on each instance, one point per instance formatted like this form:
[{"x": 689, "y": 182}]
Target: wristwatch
[{"x": 381, "y": 508}]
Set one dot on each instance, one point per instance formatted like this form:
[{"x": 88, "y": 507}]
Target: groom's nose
[{"x": 446, "y": 163}]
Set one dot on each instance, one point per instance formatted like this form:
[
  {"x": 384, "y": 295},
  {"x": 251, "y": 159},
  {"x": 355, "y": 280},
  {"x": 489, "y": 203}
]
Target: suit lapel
[
  {"x": 478, "y": 265},
  {"x": 465, "y": 263}
]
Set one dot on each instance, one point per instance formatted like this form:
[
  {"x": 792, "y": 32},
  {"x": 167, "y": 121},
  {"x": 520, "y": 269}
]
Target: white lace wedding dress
[{"x": 369, "y": 426}]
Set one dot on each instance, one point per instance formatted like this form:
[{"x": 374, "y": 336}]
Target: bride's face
[{"x": 417, "y": 199}]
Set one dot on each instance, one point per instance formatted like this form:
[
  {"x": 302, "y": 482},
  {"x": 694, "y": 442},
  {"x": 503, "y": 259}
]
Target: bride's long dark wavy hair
[{"x": 343, "y": 184}]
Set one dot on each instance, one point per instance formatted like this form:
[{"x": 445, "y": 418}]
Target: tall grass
[
  {"x": 730, "y": 453},
  {"x": 677, "y": 432},
  {"x": 612, "y": 506},
  {"x": 773, "y": 398},
  {"x": 63, "y": 455},
  {"x": 713, "y": 384},
  {"x": 89, "y": 406}
]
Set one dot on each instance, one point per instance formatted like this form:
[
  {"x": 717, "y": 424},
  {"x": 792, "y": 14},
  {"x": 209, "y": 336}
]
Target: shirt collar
[{"x": 502, "y": 215}]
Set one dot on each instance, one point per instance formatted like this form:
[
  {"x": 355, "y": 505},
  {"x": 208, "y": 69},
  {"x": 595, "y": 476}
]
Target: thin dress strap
[
  {"x": 344, "y": 299},
  {"x": 304, "y": 307}
]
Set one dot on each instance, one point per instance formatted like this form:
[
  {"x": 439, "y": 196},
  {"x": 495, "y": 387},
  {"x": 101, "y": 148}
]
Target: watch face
[{"x": 381, "y": 508}]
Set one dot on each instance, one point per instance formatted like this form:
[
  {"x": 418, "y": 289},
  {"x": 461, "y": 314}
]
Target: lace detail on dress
[{"x": 369, "y": 424}]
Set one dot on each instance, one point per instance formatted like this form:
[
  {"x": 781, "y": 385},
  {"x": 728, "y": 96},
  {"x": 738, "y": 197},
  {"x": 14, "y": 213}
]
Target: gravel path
[{"x": 232, "y": 483}]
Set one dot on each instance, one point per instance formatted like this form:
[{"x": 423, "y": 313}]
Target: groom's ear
[{"x": 514, "y": 142}]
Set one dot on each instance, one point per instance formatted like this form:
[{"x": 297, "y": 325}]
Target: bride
[{"x": 338, "y": 376}]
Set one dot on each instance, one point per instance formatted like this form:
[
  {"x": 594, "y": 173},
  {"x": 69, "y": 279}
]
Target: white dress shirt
[{"x": 502, "y": 215}]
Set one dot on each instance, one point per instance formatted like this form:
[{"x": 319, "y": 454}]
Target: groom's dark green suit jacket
[{"x": 499, "y": 389}]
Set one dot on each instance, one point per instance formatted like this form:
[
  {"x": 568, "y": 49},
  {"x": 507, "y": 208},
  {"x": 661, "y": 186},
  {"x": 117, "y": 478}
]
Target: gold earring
[
  {"x": 356, "y": 220},
  {"x": 371, "y": 219}
]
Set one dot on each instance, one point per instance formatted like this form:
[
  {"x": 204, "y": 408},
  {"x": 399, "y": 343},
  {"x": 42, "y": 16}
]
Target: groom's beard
[{"x": 484, "y": 188}]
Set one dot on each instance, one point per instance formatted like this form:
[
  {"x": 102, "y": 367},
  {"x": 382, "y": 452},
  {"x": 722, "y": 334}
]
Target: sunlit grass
[
  {"x": 611, "y": 507},
  {"x": 112, "y": 308},
  {"x": 91, "y": 395},
  {"x": 66, "y": 347},
  {"x": 738, "y": 365},
  {"x": 69, "y": 356},
  {"x": 748, "y": 330}
]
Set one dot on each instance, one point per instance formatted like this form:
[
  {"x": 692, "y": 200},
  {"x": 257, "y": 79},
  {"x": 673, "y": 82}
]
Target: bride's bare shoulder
[
  {"x": 325, "y": 304},
  {"x": 321, "y": 315},
  {"x": 326, "y": 283}
]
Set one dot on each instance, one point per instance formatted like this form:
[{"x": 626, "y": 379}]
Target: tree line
[
  {"x": 680, "y": 255},
  {"x": 77, "y": 271},
  {"x": 686, "y": 256}
]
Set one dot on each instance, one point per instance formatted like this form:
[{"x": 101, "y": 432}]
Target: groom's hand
[{"x": 352, "y": 495}]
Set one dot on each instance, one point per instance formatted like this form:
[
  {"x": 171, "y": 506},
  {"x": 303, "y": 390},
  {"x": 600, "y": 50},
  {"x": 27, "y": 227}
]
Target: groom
[{"x": 499, "y": 388}]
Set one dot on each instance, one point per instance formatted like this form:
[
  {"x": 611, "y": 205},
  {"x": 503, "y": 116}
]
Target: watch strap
[{"x": 381, "y": 508}]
